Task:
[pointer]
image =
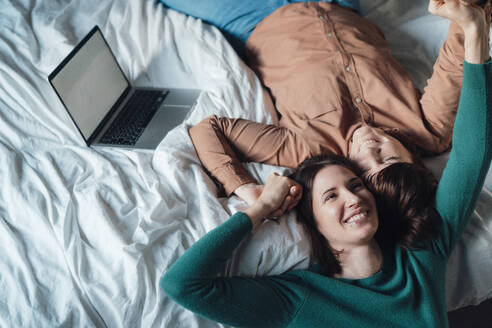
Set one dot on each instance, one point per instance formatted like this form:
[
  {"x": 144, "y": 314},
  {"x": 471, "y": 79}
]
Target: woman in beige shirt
[{"x": 339, "y": 90}]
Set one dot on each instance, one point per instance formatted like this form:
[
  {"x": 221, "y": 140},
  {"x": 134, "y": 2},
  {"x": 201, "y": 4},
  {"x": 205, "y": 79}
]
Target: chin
[{"x": 368, "y": 232}]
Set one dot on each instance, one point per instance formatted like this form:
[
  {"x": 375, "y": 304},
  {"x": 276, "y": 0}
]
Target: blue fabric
[{"x": 238, "y": 18}]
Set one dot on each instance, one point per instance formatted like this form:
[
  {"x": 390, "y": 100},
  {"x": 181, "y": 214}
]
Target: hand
[
  {"x": 279, "y": 194},
  {"x": 249, "y": 192},
  {"x": 290, "y": 201},
  {"x": 463, "y": 12}
]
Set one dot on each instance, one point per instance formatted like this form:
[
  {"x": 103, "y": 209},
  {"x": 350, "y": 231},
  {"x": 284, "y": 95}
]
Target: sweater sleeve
[
  {"x": 223, "y": 143},
  {"x": 470, "y": 155},
  {"x": 192, "y": 282}
]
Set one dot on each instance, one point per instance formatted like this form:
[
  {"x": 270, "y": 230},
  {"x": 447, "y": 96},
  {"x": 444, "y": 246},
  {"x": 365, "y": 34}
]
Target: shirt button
[
  {"x": 347, "y": 68},
  {"x": 358, "y": 100}
]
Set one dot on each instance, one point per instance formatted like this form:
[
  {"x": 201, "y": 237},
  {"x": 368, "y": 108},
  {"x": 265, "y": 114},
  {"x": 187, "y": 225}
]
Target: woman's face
[
  {"x": 373, "y": 150},
  {"x": 344, "y": 210}
]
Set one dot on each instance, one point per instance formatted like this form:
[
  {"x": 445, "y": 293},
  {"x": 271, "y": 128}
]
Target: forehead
[{"x": 332, "y": 176}]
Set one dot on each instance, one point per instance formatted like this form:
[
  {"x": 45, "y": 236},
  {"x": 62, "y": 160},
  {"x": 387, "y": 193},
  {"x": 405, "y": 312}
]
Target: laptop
[{"x": 104, "y": 106}]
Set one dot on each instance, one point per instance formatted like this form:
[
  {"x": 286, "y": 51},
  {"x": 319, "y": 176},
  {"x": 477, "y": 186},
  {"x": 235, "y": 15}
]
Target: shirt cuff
[{"x": 232, "y": 176}]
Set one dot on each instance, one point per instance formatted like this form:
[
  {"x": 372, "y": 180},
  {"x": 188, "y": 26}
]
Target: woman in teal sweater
[
  {"x": 376, "y": 284},
  {"x": 376, "y": 287}
]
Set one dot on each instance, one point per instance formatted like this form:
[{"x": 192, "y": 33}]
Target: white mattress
[{"x": 86, "y": 233}]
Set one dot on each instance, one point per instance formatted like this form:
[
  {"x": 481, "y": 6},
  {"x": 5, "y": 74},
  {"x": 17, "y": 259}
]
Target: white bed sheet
[{"x": 86, "y": 234}]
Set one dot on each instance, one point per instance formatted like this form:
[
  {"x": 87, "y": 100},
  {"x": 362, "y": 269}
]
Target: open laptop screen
[{"x": 89, "y": 82}]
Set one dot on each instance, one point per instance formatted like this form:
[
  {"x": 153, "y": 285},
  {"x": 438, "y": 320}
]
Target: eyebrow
[
  {"x": 333, "y": 188},
  {"x": 392, "y": 158},
  {"x": 327, "y": 191}
]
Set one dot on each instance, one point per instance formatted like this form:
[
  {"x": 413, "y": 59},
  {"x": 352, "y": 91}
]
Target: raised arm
[
  {"x": 223, "y": 144},
  {"x": 441, "y": 95},
  {"x": 470, "y": 156},
  {"x": 192, "y": 280},
  {"x": 471, "y": 152}
]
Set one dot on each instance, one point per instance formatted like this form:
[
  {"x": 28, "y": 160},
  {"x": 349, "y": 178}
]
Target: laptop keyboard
[{"x": 134, "y": 117}]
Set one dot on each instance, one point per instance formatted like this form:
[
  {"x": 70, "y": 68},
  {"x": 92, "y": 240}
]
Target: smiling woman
[
  {"x": 403, "y": 186},
  {"x": 349, "y": 205},
  {"x": 373, "y": 149},
  {"x": 339, "y": 91},
  {"x": 338, "y": 212},
  {"x": 341, "y": 216},
  {"x": 357, "y": 278}
]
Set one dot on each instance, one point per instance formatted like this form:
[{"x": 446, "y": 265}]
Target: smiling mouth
[
  {"x": 369, "y": 142},
  {"x": 356, "y": 218}
]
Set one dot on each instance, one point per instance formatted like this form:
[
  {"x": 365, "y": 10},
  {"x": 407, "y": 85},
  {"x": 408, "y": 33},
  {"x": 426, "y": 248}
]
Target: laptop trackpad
[{"x": 164, "y": 120}]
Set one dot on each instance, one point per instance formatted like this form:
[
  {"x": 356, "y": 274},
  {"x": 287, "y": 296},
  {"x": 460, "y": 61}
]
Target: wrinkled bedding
[{"x": 86, "y": 233}]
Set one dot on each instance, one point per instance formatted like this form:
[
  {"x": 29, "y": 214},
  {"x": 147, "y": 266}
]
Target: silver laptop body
[{"x": 97, "y": 96}]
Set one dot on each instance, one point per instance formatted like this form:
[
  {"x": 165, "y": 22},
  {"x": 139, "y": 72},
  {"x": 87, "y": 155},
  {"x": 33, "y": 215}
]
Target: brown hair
[
  {"x": 404, "y": 194},
  {"x": 305, "y": 174}
]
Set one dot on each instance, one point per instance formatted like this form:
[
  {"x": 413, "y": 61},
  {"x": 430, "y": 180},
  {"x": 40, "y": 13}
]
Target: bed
[{"x": 87, "y": 233}]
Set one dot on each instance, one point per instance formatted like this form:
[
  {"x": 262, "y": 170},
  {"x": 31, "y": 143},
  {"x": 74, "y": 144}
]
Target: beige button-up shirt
[{"x": 329, "y": 71}]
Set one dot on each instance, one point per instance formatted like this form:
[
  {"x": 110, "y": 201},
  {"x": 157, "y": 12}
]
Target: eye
[
  {"x": 329, "y": 197},
  {"x": 392, "y": 159},
  {"x": 357, "y": 185}
]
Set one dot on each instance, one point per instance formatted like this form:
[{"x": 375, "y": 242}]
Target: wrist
[
  {"x": 248, "y": 192},
  {"x": 474, "y": 27},
  {"x": 476, "y": 44},
  {"x": 256, "y": 213},
  {"x": 244, "y": 188}
]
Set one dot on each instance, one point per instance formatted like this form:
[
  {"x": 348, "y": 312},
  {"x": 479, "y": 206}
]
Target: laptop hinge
[{"x": 108, "y": 116}]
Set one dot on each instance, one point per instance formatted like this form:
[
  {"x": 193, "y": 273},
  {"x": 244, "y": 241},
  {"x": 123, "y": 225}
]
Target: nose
[{"x": 353, "y": 200}]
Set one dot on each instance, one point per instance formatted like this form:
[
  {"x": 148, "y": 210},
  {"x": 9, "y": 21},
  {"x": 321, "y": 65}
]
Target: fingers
[
  {"x": 290, "y": 201},
  {"x": 296, "y": 194},
  {"x": 283, "y": 208},
  {"x": 281, "y": 194},
  {"x": 285, "y": 204}
]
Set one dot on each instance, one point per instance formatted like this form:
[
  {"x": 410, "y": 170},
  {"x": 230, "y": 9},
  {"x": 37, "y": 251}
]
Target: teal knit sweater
[{"x": 407, "y": 292}]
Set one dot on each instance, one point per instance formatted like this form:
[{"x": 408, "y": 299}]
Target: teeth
[
  {"x": 356, "y": 218},
  {"x": 368, "y": 142}
]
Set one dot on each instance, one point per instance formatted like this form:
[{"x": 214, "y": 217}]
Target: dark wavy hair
[
  {"x": 404, "y": 194},
  {"x": 321, "y": 251}
]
